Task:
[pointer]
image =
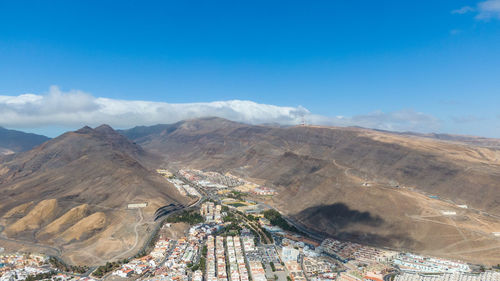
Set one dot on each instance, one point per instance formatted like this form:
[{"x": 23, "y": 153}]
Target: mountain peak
[
  {"x": 105, "y": 128},
  {"x": 84, "y": 130}
]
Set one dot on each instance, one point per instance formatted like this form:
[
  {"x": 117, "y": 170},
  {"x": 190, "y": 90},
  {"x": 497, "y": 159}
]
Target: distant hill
[
  {"x": 353, "y": 183},
  {"x": 71, "y": 194},
  {"x": 472, "y": 140},
  {"x": 12, "y": 141}
]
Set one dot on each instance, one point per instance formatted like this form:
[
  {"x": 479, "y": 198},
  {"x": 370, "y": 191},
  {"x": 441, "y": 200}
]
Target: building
[{"x": 289, "y": 254}]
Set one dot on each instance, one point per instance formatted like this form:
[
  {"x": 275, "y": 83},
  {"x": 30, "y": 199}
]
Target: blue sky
[{"x": 427, "y": 66}]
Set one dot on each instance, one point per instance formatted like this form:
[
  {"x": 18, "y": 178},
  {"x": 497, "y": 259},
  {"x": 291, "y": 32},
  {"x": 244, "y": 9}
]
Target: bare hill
[
  {"x": 85, "y": 227},
  {"x": 88, "y": 176},
  {"x": 40, "y": 214},
  {"x": 67, "y": 220},
  {"x": 12, "y": 141},
  {"x": 354, "y": 183}
]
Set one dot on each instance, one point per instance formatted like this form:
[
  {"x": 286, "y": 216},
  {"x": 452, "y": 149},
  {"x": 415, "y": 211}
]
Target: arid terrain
[
  {"x": 69, "y": 197},
  {"x": 388, "y": 189}
]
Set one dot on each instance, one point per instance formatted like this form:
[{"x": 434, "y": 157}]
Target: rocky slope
[{"x": 71, "y": 193}]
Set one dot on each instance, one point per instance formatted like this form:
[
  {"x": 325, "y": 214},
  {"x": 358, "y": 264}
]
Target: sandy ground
[{"x": 176, "y": 230}]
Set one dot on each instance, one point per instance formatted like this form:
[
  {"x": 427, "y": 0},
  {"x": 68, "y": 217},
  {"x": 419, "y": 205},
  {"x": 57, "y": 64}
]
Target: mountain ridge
[
  {"x": 13, "y": 141},
  {"x": 96, "y": 170},
  {"x": 367, "y": 171}
]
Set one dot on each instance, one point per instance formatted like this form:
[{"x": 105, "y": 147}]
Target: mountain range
[
  {"x": 432, "y": 194},
  {"x": 380, "y": 188},
  {"x": 12, "y": 141}
]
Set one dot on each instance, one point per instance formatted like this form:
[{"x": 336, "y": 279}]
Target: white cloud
[
  {"x": 485, "y": 10},
  {"x": 76, "y": 108},
  {"x": 402, "y": 120},
  {"x": 488, "y": 9},
  {"x": 463, "y": 10}
]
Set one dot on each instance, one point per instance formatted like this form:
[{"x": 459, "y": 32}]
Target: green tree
[
  {"x": 276, "y": 219},
  {"x": 191, "y": 217}
]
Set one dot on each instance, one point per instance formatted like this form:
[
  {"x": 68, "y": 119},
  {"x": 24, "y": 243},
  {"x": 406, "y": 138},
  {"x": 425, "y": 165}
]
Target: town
[{"x": 232, "y": 236}]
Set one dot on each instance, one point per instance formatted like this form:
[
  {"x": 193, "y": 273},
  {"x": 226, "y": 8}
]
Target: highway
[
  {"x": 312, "y": 234},
  {"x": 166, "y": 215}
]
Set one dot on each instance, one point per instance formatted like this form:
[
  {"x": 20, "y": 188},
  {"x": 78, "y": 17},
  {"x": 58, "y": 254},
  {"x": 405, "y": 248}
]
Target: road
[
  {"x": 256, "y": 229},
  {"x": 31, "y": 244},
  {"x": 158, "y": 225},
  {"x": 311, "y": 234},
  {"x": 170, "y": 250},
  {"x": 345, "y": 168},
  {"x": 136, "y": 232},
  {"x": 388, "y": 277},
  {"x": 88, "y": 272}
]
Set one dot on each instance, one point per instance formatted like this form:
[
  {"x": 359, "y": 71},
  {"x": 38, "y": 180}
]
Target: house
[{"x": 125, "y": 273}]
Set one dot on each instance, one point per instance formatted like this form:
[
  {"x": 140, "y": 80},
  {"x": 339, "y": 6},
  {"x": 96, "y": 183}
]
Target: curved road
[
  {"x": 136, "y": 236},
  {"x": 28, "y": 243},
  {"x": 194, "y": 204}
]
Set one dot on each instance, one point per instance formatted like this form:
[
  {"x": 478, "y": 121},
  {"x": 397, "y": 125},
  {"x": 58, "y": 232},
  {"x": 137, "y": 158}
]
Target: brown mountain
[
  {"x": 12, "y": 141},
  {"x": 354, "y": 183},
  {"x": 69, "y": 196}
]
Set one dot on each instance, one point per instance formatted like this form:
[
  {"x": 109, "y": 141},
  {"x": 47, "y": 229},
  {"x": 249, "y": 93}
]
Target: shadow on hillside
[
  {"x": 333, "y": 221},
  {"x": 339, "y": 215}
]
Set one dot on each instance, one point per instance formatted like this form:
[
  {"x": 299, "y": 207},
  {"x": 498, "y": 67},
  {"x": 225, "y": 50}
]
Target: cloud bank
[{"x": 76, "y": 108}]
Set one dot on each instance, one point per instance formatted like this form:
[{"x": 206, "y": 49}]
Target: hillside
[
  {"x": 354, "y": 183},
  {"x": 12, "y": 141},
  {"x": 70, "y": 195}
]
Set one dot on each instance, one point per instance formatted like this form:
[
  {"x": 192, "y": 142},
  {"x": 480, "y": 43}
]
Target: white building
[{"x": 289, "y": 254}]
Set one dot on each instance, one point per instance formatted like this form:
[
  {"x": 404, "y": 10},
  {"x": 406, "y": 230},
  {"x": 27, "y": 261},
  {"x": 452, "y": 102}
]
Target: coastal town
[{"x": 233, "y": 236}]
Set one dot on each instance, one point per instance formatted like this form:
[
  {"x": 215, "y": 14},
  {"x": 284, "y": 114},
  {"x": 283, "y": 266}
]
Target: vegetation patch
[
  {"x": 237, "y": 204},
  {"x": 190, "y": 217},
  {"x": 108, "y": 267},
  {"x": 233, "y": 229},
  {"x": 276, "y": 219},
  {"x": 236, "y": 195},
  {"x": 41, "y": 276},
  {"x": 60, "y": 265}
]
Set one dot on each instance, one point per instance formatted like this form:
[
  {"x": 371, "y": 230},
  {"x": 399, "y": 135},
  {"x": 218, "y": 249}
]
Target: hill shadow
[
  {"x": 333, "y": 220},
  {"x": 338, "y": 215}
]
